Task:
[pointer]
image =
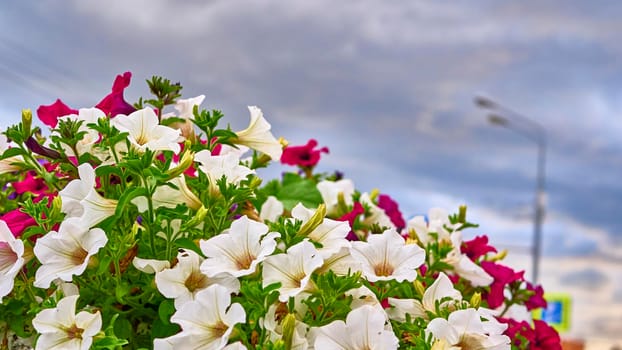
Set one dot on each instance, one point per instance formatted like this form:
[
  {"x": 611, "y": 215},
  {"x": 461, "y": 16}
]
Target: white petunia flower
[
  {"x": 11, "y": 259},
  {"x": 330, "y": 191},
  {"x": 185, "y": 280},
  {"x": 184, "y": 109},
  {"x": 60, "y": 327},
  {"x": 217, "y": 166},
  {"x": 341, "y": 263},
  {"x": 145, "y": 132},
  {"x": 239, "y": 249},
  {"x": 364, "y": 329},
  {"x": 150, "y": 265},
  {"x": 80, "y": 199},
  {"x": 258, "y": 136},
  {"x": 331, "y": 234},
  {"x": 66, "y": 252},
  {"x": 8, "y": 165},
  {"x": 275, "y": 328},
  {"x": 465, "y": 329},
  {"x": 90, "y": 137},
  {"x": 271, "y": 209},
  {"x": 442, "y": 291},
  {"x": 206, "y": 322},
  {"x": 293, "y": 269},
  {"x": 169, "y": 197},
  {"x": 376, "y": 214},
  {"x": 433, "y": 228},
  {"x": 464, "y": 266},
  {"x": 386, "y": 256}
]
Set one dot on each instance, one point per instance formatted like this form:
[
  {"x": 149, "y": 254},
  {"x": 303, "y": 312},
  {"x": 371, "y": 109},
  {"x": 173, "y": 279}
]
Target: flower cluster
[{"x": 132, "y": 226}]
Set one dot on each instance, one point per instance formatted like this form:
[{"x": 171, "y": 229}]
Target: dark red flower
[
  {"x": 49, "y": 114},
  {"x": 357, "y": 210},
  {"x": 114, "y": 103},
  {"x": 477, "y": 247},
  {"x": 536, "y": 301},
  {"x": 546, "y": 337},
  {"x": 392, "y": 210},
  {"x": 518, "y": 331},
  {"x": 503, "y": 276},
  {"x": 30, "y": 184},
  {"x": 18, "y": 221},
  {"x": 304, "y": 156}
]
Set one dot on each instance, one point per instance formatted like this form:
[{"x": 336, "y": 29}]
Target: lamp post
[{"x": 502, "y": 116}]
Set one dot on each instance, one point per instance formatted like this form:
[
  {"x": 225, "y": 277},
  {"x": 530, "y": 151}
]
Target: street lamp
[{"x": 502, "y": 116}]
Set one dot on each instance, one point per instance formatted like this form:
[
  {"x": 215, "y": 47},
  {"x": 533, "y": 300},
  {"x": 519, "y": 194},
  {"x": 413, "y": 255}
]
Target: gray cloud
[{"x": 588, "y": 278}]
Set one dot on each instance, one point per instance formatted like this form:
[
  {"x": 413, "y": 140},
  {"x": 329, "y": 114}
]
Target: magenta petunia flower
[
  {"x": 114, "y": 103},
  {"x": 49, "y": 114},
  {"x": 350, "y": 217},
  {"x": 31, "y": 184},
  {"x": 546, "y": 337},
  {"x": 304, "y": 156},
  {"x": 392, "y": 210},
  {"x": 517, "y": 330},
  {"x": 503, "y": 276},
  {"x": 18, "y": 221},
  {"x": 477, "y": 247},
  {"x": 536, "y": 301}
]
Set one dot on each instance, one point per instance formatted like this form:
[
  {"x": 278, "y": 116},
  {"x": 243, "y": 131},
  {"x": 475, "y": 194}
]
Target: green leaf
[
  {"x": 110, "y": 343},
  {"x": 188, "y": 244},
  {"x": 296, "y": 189},
  {"x": 166, "y": 309},
  {"x": 127, "y": 196},
  {"x": 12, "y": 152}
]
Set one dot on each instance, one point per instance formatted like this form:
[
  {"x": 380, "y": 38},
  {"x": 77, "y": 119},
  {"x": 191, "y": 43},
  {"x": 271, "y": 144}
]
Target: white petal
[
  {"x": 441, "y": 288},
  {"x": 150, "y": 265}
]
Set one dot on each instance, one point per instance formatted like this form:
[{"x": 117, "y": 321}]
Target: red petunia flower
[
  {"x": 546, "y": 337},
  {"x": 304, "y": 156},
  {"x": 536, "y": 301},
  {"x": 477, "y": 247},
  {"x": 18, "y": 221},
  {"x": 357, "y": 210},
  {"x": 114, "y": 103},
  {"x": 503, "y": 276},
  {"x": 49, "y": 114},
  {"x": 392, "y": 210}
]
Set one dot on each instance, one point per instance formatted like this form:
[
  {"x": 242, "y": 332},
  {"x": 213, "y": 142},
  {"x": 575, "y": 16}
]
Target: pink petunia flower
[
  {"x": 114, "y": 103},
  {"x": 350, "y": 217},
  {"x": 546, "y": 337},
  {"x": 477, "y": 247},
  {"x": 502, "y": 276},
  {"x": 49, "y": 114},
  {"x": 18, "y": 221},
  {"x": 536, "y": 301},
  {"x": 392, "y": 210},
  {"x": 304, "y": 156}
]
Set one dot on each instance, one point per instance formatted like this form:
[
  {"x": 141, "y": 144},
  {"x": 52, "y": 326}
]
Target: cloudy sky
[{"x": 389, "y": 88}]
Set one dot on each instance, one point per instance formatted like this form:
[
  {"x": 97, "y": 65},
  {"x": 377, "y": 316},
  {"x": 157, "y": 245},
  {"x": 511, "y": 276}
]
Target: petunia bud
[
  {"x": 419, "y": 287},
  {"x": 198, "y": 217},
  {"x": 315, "y": 221},
  {"x": 289, "y": 327},
  {"x": 462, "y": 214},
  {"x": 26, "y": 122},
  {"x": 186, "y": 161},
  {"x": 37, "y": 148},
  {"x": 57, "y": 204},
  {"x": 500, "y": 256},
  {"x": 374, "y": 194},
  {"x": 476, "y": 300}
]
